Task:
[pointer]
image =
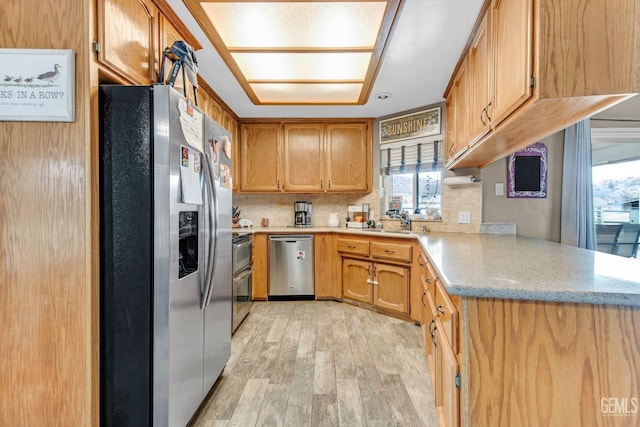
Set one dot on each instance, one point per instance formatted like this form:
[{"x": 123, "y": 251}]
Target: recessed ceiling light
[
  {"x": 383, "y": 95},
  {"x": 300, "y": 52}
]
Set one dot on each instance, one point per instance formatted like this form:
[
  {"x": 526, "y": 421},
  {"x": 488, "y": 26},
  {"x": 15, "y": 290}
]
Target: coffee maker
[{"x": 302, "y": 214}]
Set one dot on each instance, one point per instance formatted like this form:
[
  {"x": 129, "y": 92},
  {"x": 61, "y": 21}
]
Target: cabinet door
[
  {"x": 461, "y": 140},
  {"x": 447, "y": 391},
  {"x": 478, "y": 63},
  {"x": 428, "y": 323},
  {"x": 303, "y": 155},
  {"x": 356, "y": 278},
  {"x": 511, "y": 40},
  {"x": 391, "y": 287},
  {"x": 127, "y": 32},
  {"x": 260, "y": 264},
  {"x": 260, "y": 154},
  {"x": 348, "y": 157},
  {"x": 325, "y": 261},
  {"x": 168, "y": 35},
  {"x": 450, "y": 131},
  {"x": 448, "y": 314}
]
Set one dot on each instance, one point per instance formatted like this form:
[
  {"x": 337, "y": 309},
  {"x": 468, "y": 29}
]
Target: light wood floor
[{"x": 322, "y": 363}]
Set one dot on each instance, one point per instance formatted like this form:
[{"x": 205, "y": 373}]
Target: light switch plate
[
  {"x": 499, "y": 189},
  {"x": 464, "y": 217}
]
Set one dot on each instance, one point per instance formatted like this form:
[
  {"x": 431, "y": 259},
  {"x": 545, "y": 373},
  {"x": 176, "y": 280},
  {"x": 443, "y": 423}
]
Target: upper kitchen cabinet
[
  {"x": 132, "y": 35},
  {"x": 302, "y": 152},
  {"x": 457, "y": 114},
  {"x": 348, "y": 157},
  {"x": 535, "y": 67},
  {"x": 127, "y": 37},
  {"x": 310, "y": 157},
  {"x": 260, "y": 157}
]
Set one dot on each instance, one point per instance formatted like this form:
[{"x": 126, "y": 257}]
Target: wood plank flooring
[{"x": 322, "y": 363}]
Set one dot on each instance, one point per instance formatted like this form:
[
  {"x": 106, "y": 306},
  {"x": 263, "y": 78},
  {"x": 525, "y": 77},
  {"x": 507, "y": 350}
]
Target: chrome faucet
[{"x": 402, "y": 217}]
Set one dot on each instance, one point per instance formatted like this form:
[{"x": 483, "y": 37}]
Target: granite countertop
[{"x": 516, "y": 267}]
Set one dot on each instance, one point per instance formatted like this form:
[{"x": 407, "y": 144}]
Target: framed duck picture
[{"x": 37, "y": 85}]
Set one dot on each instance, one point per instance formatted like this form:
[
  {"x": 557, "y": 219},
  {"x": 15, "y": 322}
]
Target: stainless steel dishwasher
[{"x": 291, "y": 267}]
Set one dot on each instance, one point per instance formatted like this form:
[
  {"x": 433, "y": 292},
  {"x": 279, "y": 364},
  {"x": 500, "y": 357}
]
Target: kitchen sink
[{"x": 378, "y": 230}]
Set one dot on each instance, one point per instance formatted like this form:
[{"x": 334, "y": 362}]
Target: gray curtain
[{"x": 577, "y": 226}]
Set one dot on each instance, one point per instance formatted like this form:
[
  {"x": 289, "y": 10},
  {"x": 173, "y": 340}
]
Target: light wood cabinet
[
  {"x": 260, "y": 157},
  {"x": 127, "y": 37},
  {"x": 311, "y": 157},
  {"x": 326, "y": 264},
  {"x": 259, "y": 279},
  {"x": 376, "y": 272},
  {"x": 447, "y": 374},
  {"x": 440, "y": 332},
  {"x": 543, "y": 74},
  {"x": 348, "y": 157},
  {"x": 478, "y": 64},
  {"x": 356, "y": 280},
  {"x": 303, "y": 154},
  {"x": 391, "y": 287}
]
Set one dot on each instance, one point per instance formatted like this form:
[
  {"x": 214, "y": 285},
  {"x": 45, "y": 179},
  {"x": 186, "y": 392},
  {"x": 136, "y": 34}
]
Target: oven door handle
[{"x": 243, "y": 276}]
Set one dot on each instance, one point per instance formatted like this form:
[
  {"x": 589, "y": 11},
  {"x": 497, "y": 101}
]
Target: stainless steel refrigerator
[{"x": 165, "y": 246}]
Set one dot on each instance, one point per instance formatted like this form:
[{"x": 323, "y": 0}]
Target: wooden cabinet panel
[
  {"x": 450, "y": 132},
  {"x": 168, "y": 35},
  {"x": 479, "y": 71},
  {"x": 356, "y": 282},
  {"x": 348, "y": 151},
  {"x": 446, "y": 389},
  {"x": 259, "y": 279},
  {"x": 127, "y": 32},
  {"x": 352, "y": 246},
  {"x": 260, "y": 153},
  {"x": 461, "y": 113},
  {"x": 303, "y": 155},
  {"x": 391, "y": 251},
  {"x": 326, "y": 260},
  {"x": 391, "y": 287},
  {"x": 512, "y": 41},
  {"x": 448, "y": 315},
  {"x": 316, "y": 157}
]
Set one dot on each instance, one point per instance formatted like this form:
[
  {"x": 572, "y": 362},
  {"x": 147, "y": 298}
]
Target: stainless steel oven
[{"x": 242, "y": 272}]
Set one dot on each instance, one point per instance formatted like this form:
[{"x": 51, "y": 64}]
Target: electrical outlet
[{"x": 464, "y": 217}]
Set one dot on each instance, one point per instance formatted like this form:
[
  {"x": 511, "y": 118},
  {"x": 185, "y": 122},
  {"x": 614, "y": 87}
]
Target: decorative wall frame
[
  {"x": 37, "y": 85},
  {"x": 527, "y": 172},
  {"x": 409, "y": 126}
]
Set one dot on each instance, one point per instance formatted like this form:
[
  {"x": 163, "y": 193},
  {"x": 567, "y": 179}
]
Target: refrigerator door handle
[{"x": 212, "y": 211}]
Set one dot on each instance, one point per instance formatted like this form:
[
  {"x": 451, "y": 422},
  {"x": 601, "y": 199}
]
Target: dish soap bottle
[{"x": 333, "y": 220}]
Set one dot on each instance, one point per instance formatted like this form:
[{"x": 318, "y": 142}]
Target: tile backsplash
[{"x": 278, "y": 207}]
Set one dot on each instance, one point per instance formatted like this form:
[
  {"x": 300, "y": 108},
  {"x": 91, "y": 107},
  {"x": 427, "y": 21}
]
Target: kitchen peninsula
[{"x": 542, "y": 333}]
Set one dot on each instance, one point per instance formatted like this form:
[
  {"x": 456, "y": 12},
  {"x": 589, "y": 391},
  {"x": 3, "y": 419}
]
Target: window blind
[{"x": 420, "y": 157}]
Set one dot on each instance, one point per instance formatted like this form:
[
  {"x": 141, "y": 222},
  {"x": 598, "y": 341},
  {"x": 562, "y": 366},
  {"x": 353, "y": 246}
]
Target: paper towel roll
[{"x": 459, "y": 180}]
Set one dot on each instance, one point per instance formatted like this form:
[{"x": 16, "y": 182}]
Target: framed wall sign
[
  {"x": 37, "y": 85},
  {"x": 408, "y": 126},
  {"x": 527, "y": 172}
]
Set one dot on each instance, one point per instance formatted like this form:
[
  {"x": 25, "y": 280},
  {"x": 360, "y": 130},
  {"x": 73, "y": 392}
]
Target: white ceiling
[{"x": 424, "y": 49}]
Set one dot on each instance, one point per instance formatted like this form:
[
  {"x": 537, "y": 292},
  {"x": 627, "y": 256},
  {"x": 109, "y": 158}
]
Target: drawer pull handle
[
  {"x": 424, "y": 294},
  {"x": 439, "y": 309},
  {"x": 351, "y": 246},
  {"x": 432, "y": 331},
  {"x": 389, "y": 251},
  {"x": 428, "y": 280}
]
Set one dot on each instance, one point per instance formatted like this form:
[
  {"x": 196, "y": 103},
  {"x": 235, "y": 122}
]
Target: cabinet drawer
[
  {"x": 427, "y": 275},
  {"x": 392, "y": 251},
  {"x": 448, "y": 314},
  {"x": 357, "y": 247}
]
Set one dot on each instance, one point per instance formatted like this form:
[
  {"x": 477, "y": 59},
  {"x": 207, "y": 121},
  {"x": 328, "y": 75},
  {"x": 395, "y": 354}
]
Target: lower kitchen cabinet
[
  {"x": 326, "y": 265},
  {"x": 259, "y": 280},
  {"x": 356, "y": 280},
  {"x": 447, "y": 375},
  {"x": 382, "y": 285},
  {"x": 391, "y": 287}
]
